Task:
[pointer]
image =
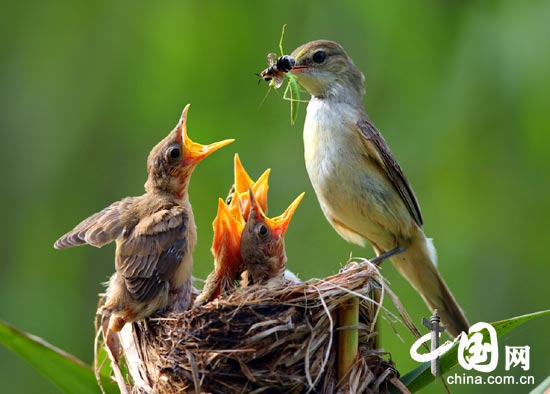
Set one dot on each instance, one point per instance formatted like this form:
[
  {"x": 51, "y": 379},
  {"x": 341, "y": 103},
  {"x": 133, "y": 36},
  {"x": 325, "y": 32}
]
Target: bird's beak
[
  {"x": 258, "y": 191},
  {"x": 243, "y": 182},
  {"x": 195, "y": 152},
  {"x": 280, "y": 223},
  {"x": 298, "y": 69},
  {"x": 255, "y": 212},
  {"x": 234, "y": 207},
  {"x": 228, "y": 229}
]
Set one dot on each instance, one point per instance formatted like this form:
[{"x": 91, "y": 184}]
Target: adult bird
[
  {"x": 360, "y": 186},
  {"x": 155, "y": 233}
]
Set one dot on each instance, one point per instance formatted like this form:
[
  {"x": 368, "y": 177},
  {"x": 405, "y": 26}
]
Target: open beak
[
  {"x": 234, "y": 207},
  {"x": 258, "y": 191},
  {"x": 195, "y": 152},
  {"x": 227, "y": 236},
  {"x": 255, "y": 212},
  {"x": 243, "y": 182},
  {"x": 278, "y": 224}
]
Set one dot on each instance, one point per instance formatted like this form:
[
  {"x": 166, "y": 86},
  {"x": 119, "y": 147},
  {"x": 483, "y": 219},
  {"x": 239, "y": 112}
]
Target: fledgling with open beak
[
  {"x": 360, "y": 186},
  {"x": 155, "y": 234},
  {"x": 228, "y": 227},
  {"x": 263, "y": 246},
  {"x": 238, "y": 197}
]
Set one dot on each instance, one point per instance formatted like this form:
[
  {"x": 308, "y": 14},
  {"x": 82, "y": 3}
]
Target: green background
[{"x": 461, "y": 91}]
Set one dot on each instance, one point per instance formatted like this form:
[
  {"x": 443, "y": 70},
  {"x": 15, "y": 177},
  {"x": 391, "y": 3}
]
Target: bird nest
[{"x": 261, "y": 340}]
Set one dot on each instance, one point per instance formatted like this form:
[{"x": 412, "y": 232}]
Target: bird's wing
[
  {"x": 101, "y": 228},
  {"x": 380, "y": 151},
  {"x": 152, "y": 251}
]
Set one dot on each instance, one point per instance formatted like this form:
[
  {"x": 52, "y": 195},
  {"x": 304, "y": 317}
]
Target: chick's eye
[
  {"x": 174, "y": 152},
  {"x": 319, "y": 56},
  {"x": 262, "y": 230}
]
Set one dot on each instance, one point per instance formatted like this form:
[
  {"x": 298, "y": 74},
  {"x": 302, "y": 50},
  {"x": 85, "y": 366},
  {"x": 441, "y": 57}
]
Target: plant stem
[{"x": 348, "y": 337}]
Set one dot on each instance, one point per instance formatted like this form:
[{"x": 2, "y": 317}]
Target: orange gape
[
  {"x": 155, "y": 233},
  {"x": 228, "y": 226}
]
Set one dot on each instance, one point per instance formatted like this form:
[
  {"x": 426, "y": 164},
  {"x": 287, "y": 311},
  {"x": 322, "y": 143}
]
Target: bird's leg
[
  {"x": 110, "y": 337},
  {"x": 386, "y": 255},
  {"x": 180, "y": 298}
]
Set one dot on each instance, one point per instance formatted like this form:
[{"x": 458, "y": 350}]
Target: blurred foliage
[
  {"x": 461, "y": 91},
  {"x": 68, "y": 373}
]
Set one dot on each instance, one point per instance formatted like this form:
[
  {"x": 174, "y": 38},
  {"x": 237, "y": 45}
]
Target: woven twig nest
[{"x": 263, "y": 340}]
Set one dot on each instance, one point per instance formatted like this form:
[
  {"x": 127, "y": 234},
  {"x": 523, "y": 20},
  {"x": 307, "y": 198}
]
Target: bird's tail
[{"x": 418, "y": 265}]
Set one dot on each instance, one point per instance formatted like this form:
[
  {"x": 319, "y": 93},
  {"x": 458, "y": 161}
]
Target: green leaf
[
  {"x": 67, "y": 372},
  {"x": 421, "y": 376}
]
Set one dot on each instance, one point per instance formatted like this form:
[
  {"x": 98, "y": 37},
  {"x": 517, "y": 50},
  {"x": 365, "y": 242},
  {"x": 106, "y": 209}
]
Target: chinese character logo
[
  {"x": 436, "y": 350},
  {"x": 517, "y": 356},
  {"x": 476, "y": 350},
  {"x": 479, "y": 349}
]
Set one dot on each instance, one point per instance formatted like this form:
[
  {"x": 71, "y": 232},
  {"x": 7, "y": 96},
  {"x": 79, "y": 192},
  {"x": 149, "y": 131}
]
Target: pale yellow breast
[{"x": 354, "y": 195}]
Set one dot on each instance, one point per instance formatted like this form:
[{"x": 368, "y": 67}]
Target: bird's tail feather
[{"x": 418, "y": 265}]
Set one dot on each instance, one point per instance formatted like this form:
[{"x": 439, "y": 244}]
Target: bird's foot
[
  {"x": 386, "y": 255},
  {"x": 116, "y": 323},
  {"x": 111, "y": 338}
]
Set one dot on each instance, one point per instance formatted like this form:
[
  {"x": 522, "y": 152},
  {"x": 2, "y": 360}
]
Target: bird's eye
[
  {"x": 173, "y": 152},
  {"x": 228, "y": 200},
  {"x": 262, "y": 230},
  {"x": 319, "y": 56}
]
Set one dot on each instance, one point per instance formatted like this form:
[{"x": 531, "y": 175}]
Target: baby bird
[
  {"x": 263, "y": 247},
  {"x": 228, "y": 227},
  {"x": 238, "y": 194},
  {"x": 155, "y": 233},
  {"x": 225, "y": 249}
]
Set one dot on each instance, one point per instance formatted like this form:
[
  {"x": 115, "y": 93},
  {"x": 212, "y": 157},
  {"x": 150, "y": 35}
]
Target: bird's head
[
  {"x": 262, "y": 241},
  {"x": 324, "y": 69},
  {"x": 229, "y": 222},
  {"x": 173, "y": 159}
]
